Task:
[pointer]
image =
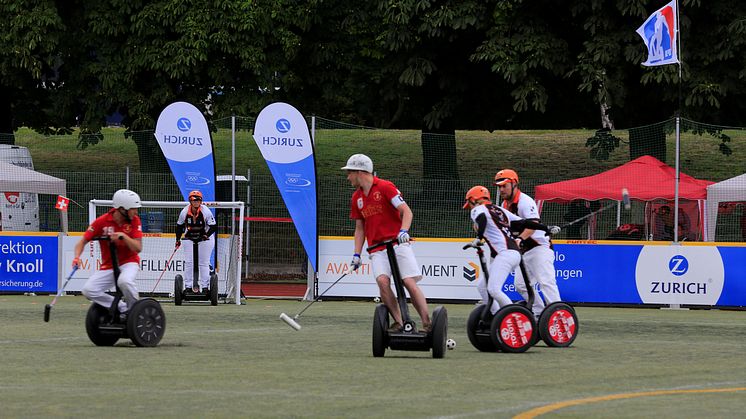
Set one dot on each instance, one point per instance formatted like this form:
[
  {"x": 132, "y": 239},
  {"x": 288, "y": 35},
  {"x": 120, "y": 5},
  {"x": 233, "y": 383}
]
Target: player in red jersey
[
  {"x": 122, "y": 225},
  {"x": 381, "y": 214}
]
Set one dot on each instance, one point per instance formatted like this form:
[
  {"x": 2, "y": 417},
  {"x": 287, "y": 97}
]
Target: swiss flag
[{"x": 62, "y": 203}]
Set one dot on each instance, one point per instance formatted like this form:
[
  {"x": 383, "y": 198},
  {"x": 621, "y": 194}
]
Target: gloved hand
[
  {"x": 403, "y": 236},
  {"x": 76, "y": 262},
  {"x": 519, "y": 242},
  {"x": 476, "y": 242},
  {"x": 178, "y": 244},
  {"x": 553, "y": 230},
  {"x": 356, "y": 262}
]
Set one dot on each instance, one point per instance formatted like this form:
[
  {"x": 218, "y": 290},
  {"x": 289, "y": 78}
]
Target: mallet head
[{"x": 290, "y": 321}]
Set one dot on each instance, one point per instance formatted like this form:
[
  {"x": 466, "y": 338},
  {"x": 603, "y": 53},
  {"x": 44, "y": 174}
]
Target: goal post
[{"x": 159, "y": 264}]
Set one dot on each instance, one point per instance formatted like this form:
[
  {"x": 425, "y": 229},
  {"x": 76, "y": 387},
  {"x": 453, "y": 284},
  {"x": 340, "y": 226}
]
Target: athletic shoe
[
  {"x": 123, "y": 317},
  {"x": 427, "y": 327},
  {"x": 395, "y": 328}
]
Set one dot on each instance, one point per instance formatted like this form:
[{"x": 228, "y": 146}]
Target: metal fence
[{"x": 434, "y": 190}]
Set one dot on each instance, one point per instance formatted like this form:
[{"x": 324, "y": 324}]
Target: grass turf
[{"x": 243, "y": 361}]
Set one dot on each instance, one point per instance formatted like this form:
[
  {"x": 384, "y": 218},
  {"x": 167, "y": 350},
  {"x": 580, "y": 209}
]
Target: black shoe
[
  {"x": 123, "y": 317},
  {"x": 206, "y": 291}
]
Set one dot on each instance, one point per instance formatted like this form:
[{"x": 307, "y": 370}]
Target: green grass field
[{"x": 242, "y": 361}]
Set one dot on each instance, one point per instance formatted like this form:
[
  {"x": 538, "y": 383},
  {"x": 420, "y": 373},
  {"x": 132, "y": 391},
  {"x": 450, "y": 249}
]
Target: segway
[
  {"x": 558, "y": 325},
  {"x": 511, "y": 329},
  {"x": 409, "y": 338},
  {"x": 144, "y": 325},
  {"x": 181, "y": 294}
]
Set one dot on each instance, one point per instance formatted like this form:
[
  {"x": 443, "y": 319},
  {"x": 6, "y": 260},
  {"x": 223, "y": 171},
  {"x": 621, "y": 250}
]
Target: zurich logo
[
  {"x": 283, "y": 125},
  {"x": 184, "y": 124},
  {"x": 678, "y": 265}
]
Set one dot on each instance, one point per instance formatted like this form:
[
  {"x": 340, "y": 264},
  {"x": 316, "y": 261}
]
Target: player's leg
[
  {"x": 379, "y": 264},
  {"x": 205, "y": 252},
  {"x": 409, "y": 270},
  {"x": 188, "y": 263},
  {"x": 97, "y": 285},
  {"x": 127, "y": 274},
  {"x": 502, "y": 265},
  {"x": 529, "y": 258},
  {"x": 541, "y": 267}
]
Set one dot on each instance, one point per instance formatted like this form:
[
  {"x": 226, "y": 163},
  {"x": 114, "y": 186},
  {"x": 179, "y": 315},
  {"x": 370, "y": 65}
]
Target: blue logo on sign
[
  {"x": 184, "y": 124},
  {"x": 197, "y": 180},
  {"x": 678, "y": 265},
  {"x": 283, "y": 125}
]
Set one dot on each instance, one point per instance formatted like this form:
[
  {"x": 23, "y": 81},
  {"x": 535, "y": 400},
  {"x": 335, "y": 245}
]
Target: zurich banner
[
  {"x": 285, "y": 142},
  {"x": 184, "y": 138}
]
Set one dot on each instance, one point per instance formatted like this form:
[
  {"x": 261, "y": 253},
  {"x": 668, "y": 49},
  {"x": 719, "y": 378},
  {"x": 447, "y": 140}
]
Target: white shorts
[{"x": 408, "y": 266}]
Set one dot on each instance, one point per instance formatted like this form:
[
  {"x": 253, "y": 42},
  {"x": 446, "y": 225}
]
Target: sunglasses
[{"x": 195, "y": 199}]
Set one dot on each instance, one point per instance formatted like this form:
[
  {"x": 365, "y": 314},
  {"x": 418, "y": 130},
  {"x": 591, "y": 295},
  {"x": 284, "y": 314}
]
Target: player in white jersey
[
  {"x": 536, "y": 246},
  {"x": 199, "y": 223},
  {"x": 492, "y": 225}
]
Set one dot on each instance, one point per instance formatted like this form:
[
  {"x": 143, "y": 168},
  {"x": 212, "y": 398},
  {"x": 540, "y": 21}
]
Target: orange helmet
[
  {"x": 476, "y": 193},
  {"x": 195, "y": 194},
  {"x": 506, "y": 176}
]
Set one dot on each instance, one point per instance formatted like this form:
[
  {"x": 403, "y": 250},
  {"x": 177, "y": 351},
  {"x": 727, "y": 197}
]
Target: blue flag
[
  {"x": 659, "y": 34},
  {"x": 285, "y": 142},
  {"x": 184, "y": 138}
]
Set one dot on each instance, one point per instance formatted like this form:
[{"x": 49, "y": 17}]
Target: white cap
[{"x": 359, "y": 162}]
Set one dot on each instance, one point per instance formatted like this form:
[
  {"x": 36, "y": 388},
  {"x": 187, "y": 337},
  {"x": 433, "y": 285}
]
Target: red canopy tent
[{"x": 646, "y": 178}]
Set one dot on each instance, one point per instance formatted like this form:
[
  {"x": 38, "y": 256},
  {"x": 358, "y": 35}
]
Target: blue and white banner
[
  {"x": 28, "y": 263},
  {"x": 659, "y": 34},
  {"x": 586, "y": 272},
  {"x": 184, "y": 138},
  {"x": 282, "y": 135}
]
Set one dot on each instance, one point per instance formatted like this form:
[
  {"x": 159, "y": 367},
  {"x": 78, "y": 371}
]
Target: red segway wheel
[
  {"x": 513, "y": 329},
  {"x": 559, "y": 325}
]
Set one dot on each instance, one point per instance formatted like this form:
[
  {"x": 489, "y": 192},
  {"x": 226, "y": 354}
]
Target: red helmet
[
  {"x": 506, "y": 176},
  {"x": 477, "y": 193}
]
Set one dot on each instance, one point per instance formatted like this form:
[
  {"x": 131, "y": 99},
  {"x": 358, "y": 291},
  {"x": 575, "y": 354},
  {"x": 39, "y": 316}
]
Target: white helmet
[
  {"x": 359, "y": 162},
  {"x": 125, "y": 198}
]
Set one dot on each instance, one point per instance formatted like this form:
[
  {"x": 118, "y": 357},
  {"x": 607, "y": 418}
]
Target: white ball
[
  {"x": 451, "y": 344},
  {"x": 376, "y": 300}
]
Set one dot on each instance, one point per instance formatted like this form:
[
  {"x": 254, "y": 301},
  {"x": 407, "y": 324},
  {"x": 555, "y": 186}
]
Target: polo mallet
[
  {"x": 48, "y": 307},
  {"x": 291, "y": 321},
  {"x": 625, "y": 201},
  {"x": 164, "y": 270}
]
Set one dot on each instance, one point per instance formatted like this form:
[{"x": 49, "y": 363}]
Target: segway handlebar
[{"x": 382, "y": 244}]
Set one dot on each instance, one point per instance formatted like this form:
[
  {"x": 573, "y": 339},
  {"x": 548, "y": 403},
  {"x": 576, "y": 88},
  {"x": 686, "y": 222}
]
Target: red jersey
[
  {"x": 105, "y": 224},
  {"x": 382, "y": 219}
]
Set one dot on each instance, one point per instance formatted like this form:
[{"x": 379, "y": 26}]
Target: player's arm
[
  {"x": 210, "y": 224},
  {"x": 406, "y": 215},
  {"x": 134, "y": 244},
  {"x": 359, "y": 235}
]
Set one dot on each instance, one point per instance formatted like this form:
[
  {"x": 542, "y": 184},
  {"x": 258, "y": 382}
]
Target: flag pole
[{"x": 678, "y": 133}]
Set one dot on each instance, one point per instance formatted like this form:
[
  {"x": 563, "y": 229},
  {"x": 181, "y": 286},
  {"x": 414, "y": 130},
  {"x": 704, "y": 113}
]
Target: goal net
[{"x": 159, "y": 264}]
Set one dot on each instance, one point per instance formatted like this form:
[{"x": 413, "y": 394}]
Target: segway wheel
[
  {"x": 513, "y": 328},
  {"x": 178, "y": 289},
  {"x": 482, "y": 342},
  {"x": 380, "y": 330},
  {"x": 440, "y": 331},
  {"x": 559, "y": 325},
  {"x": 213, "y": 289},
  {"x": 95, "y": 317},
  {"x": 146, "y": 323}
]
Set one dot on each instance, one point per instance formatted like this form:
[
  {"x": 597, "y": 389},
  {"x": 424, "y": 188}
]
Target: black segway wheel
[
  {"x": 477, "y": 332},
  {"x": 213, "y": 289},
  {"x": 95, "y": 317},
  {"x": 380, "y": 330},
  {"x": 439, "y": 332},
  {"x": 513, "y": 328},
  {"x": 178, "y": 289},
  {"x": 146, "y": 323},
  {"x": 559, "y": 325}
]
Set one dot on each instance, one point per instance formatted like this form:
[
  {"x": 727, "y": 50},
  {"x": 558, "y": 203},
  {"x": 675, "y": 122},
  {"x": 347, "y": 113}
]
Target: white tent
[
  {"x": 729, "y": 190},
  {"x": 18, "y": 179}
]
